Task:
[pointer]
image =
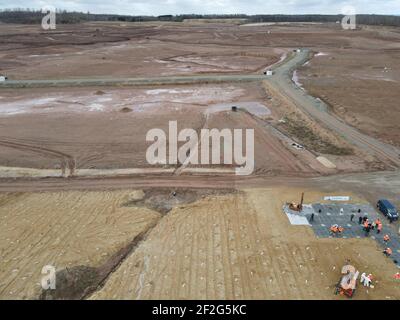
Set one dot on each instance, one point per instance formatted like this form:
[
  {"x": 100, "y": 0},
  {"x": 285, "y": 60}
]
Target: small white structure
[
  {"x": 298, "y": 50},
  {"x": 3, "y": 78},
  {"x": 269, "y": 73}
]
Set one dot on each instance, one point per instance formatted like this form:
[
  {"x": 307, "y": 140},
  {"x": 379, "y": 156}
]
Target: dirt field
[
  {"x": 129, "y": 49},
  {"x": 99, "y": 128},
  {"x": 64, "y": 230},
  {"x": 104, "y": 128},
  {"x": 211, "y": 245},
  {"x": 366, "y": 72},
  {"x": 243, "y": 247}
]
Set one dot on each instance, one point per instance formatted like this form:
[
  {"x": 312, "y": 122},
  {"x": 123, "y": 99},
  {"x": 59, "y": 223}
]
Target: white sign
[{"x": 337, "y": 198}]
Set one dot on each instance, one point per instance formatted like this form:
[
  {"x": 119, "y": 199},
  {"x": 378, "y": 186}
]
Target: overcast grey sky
[{"x": 158, "y": 7}]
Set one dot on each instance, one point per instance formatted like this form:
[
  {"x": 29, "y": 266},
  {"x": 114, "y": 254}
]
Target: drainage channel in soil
[
  {"x": 79, "y": 282},
  {"x": 164, "y": 200}
]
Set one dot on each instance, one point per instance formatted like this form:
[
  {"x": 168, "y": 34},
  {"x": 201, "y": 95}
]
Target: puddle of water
[
  {"x": 96, "y": 107},
  {"x": 253, "y": 107},
  {"x": 166, "y": 91},
  {"x": 24, "y": 106}
]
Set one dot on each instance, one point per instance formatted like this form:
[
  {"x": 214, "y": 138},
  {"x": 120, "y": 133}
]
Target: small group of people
[
  {"x": 388, "y": 251},
  {"x": 368, "y": 225},
  {"x": 336, "y": 230},
  {"x": 366, "y": 280}
]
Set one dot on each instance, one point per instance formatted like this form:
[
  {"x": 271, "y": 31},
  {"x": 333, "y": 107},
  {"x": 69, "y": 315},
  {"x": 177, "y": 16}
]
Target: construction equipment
[
  {"x": 297, "y": 206},
  {"x": 348, "y": 282}
]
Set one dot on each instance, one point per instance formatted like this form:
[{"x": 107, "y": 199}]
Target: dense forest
[{"x": 26, "y": 16}]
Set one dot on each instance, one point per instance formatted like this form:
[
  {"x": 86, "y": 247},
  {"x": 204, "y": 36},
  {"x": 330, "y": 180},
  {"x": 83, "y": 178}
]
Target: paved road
[{"x": 317, "y": 109}]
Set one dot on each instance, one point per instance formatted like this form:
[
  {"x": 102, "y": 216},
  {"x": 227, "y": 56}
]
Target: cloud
[{"x": 158, "y": 7}]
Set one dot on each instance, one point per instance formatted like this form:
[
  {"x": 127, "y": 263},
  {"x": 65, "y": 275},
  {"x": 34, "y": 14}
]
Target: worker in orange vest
[
  {"x": 388, "y": 252},
  {"x": 378, "y": 221},
  {"x": 379, "y": 228},
  {"x": 386, "y": 238}
]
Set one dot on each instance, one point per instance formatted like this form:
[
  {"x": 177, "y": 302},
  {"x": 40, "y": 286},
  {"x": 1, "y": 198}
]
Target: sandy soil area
[
  {"x": 64, "y": 230},
  {"x": 242, "y": 247},
  {"x": 199, "y": 244}
]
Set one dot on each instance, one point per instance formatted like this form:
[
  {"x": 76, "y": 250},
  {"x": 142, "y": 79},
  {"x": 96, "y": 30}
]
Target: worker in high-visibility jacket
[
  {"x": 388, "y": 252},
  {"x": 379, "y": 228},
  {"x": 386, "y": 238},
  {"x": 334, "y": 229}
]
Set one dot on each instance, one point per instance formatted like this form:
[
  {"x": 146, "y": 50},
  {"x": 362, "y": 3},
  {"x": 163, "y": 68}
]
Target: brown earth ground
[
  {"x": 131, "y": 50},
  {"x": 214, "y": 245},
  {"x": 98, "y": 128},
  {"x": 360, "y": 81},
  {"x": 64, "y": 230},
  {"x": 241, "y": 245},
  {"x": 74, "y": 116}
]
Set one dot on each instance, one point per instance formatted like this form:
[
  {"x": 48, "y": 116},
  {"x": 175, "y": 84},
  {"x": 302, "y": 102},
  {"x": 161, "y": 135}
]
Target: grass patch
[{"x": 313, "y": 141}]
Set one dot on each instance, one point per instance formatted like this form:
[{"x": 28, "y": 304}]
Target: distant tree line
[
  {"x": 368, "y": 19},
  {"x": 30, "y": 16}
]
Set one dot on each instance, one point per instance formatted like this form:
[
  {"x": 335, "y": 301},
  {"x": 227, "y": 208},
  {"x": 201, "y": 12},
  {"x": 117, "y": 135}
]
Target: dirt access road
[
  {"x": 318, "y": 110},
  {"x": 369, "y": 185}
]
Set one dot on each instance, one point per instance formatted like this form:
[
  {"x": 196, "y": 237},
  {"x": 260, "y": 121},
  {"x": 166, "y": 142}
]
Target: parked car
[{"x": 388, "y": 209}]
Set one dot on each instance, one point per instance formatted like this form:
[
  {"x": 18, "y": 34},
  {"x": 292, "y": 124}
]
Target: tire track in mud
[
  {"x": 186, "y": 163},
  {"x": 292, "y": 164},
  {"x": 67, "y": 161}
]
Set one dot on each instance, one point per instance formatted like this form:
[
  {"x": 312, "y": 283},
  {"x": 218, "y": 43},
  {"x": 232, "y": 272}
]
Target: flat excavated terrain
[
  {"x": 131, "y": 50},
  {"x": 104, "y": 128},
  {"x": 214, "y": 243},
  {"x": 64, "y": 230},
  {"x": 196, "y": 245}
]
